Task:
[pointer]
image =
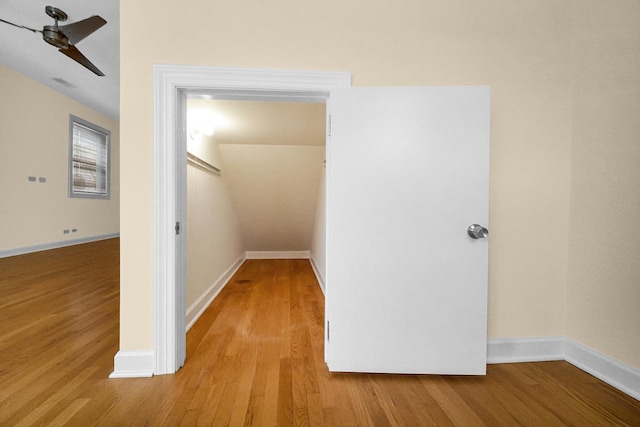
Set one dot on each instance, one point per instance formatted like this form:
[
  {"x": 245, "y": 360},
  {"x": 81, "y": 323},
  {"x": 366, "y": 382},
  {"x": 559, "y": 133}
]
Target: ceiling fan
[{"x": 65, "y": 38}]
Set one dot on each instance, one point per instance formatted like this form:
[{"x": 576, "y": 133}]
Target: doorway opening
[
  {"x": 173, "y": 85},
  {"x": 255, "y": 189}
]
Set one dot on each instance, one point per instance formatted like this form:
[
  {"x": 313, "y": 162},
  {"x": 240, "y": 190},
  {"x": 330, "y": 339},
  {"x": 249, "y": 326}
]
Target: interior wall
[
  {"x": 604, "y": 273},
  {"x": 214, "y": 242},
  {"x": 274, "y": 189},
  {"x": 34, "y": 141},
  {"x": 521, "y": 49}
]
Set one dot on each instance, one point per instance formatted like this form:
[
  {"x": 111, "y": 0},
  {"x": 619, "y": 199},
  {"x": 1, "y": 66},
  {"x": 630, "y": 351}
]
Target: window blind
[{"x": 89, "y": 161}]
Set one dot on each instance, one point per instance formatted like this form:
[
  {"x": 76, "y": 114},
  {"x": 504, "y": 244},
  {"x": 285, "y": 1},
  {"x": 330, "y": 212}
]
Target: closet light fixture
[
  {"x": 194, "y": 131},
  {"x": 199, "y": 123}
]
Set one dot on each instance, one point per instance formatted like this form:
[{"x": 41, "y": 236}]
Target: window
[{"x": 88, "y": 159}]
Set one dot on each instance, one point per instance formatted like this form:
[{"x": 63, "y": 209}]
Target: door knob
[{"x": 476, "y": 231}]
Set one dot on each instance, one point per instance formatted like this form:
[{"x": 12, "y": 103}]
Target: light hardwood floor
[{"x": 254, "y": 358}]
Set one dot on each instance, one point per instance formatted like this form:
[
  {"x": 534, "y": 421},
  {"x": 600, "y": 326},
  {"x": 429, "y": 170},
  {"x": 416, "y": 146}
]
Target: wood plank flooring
[{"x": 255, "y": 357}]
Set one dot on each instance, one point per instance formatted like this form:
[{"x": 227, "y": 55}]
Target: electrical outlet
[
  {"x": 74, "y": 230},
  {"x": 65, "y": 232},
  {"x": 32, "y": 179},
  {"x": 42, "y": 179}
]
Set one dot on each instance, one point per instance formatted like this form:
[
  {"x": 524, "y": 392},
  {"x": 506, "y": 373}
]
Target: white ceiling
[{"x": 28, "y": 53}]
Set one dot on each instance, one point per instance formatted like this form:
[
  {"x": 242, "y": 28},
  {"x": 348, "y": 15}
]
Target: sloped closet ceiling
[
  {"x": 264, "y": 122},
  {"x": 275, "y": 191}
]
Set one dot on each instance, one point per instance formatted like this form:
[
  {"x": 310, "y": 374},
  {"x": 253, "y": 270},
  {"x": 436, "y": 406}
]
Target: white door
[{"x": 407, "y": 174}]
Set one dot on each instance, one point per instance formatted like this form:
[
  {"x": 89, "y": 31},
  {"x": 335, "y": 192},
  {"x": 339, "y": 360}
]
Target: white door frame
[{"x": 172, "y": 85}]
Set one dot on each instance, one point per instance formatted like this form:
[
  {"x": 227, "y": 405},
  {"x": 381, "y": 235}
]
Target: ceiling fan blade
[
  {"x": 73, "y": 53},
  {"x": 81, "y": 29},
  {"x": 20, "y": 26}
]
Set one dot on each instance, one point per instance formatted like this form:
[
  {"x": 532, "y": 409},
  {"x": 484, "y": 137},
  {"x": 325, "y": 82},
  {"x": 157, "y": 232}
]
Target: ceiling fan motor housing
[{"x": 55, "y": 37}]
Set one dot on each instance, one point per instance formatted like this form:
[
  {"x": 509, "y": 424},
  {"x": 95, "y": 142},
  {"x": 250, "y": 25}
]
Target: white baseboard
[
  {"x": 54, "y": 245},
  {"x": 318, "y": 274},
  {"x": 197, "y": 308},
  {"x": 133, "y": 364},
  {"x": 611, "y": 371},
  {"x": 277, "y": 254},
  {"x": 537, "y": 349}
]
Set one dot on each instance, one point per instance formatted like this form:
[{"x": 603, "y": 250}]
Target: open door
[{"x": 407, "y": 175}]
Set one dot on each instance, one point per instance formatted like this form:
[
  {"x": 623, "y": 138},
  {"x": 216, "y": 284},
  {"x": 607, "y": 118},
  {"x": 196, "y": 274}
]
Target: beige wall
[
  {"x": 213, "y": 235},
  {"x": 603, "y": 309},
  {"x": 34, "y": 141},
  {"x": 522, "y": 49}
]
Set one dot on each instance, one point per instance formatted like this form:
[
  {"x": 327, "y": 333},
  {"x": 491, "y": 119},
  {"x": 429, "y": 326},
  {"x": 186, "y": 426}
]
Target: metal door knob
[{"x": 476, "y": 231}]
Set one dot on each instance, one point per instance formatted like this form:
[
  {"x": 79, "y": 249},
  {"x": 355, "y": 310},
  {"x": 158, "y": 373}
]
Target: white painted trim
[
  {"x": 167, "y": 342},
  {"x": 528, "y": 349},
  {"x": 201, "y": 304},
  {"x": 611, "y": 371},
  {"x": 319, "y": 277},
  {"x": 171, "y": 84},
  {"x": 538, "y": 349},
  {"x": 133, "y": 364},
  {"x": 277, "y": 254},
  {"x": 54, "y": 245}
]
